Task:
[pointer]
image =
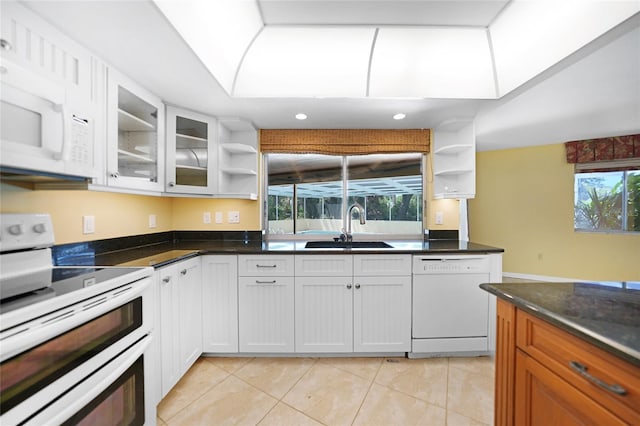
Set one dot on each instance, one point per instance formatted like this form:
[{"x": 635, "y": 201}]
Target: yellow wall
[
  {"x": 187, "y": 214},
  {"x": 118, "y": 215},
  {"x": 524, "y": 203}
]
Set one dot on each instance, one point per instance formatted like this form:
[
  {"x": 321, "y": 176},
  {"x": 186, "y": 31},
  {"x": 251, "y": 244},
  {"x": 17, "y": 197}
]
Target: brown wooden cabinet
[{"x": 546, "y": 376}]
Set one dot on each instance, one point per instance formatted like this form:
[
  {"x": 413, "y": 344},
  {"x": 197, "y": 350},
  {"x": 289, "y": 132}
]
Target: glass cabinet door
[
  {"x": 190, "y": 137},
  {"x": 136, "y": 136}
]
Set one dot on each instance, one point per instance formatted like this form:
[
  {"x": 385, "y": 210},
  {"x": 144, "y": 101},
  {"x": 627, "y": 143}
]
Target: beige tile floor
[{"x": 332, "y": 391}]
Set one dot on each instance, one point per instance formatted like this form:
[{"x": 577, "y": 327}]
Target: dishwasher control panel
[{"x": 450, "y": 264}]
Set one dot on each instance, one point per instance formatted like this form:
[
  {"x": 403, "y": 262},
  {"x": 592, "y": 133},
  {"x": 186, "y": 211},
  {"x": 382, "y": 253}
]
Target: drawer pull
[
  {"x": 582, "y": 370},
  {"x": 266, "y": 266},
  {"x": 265, "y": 282}
]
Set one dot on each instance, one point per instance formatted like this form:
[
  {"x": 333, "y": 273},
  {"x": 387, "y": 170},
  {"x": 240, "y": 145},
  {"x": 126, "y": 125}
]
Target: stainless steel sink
[{"x": 344, "y": 244}]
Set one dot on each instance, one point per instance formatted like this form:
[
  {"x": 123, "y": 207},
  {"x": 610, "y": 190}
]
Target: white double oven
[{"x": 75, "y": 345}]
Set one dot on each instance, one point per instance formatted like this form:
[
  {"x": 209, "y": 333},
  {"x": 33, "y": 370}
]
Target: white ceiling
[{"x": 595, "y": 92}]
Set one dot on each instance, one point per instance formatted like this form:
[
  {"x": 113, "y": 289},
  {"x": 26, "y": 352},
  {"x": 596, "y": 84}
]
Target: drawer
[
  {"x": 557, "y": 350},
  {"x": 382, "y": 265},
  {"x": 266, "y": 265},
  {"x": 333, "y": 265}
]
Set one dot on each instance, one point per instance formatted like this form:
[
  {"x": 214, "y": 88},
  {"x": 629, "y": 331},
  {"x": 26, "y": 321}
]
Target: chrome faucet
[{"x": 346, "y": 235}]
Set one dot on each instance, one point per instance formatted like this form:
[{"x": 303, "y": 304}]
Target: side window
[{"x": 607, "y": 201}]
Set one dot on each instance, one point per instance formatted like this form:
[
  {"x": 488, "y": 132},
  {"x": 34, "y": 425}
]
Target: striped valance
[{"x": 344, "y": 141}]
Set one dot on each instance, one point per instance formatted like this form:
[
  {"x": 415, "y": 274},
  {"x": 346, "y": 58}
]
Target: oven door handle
[
  {"x": 22, "y": 338},
  {"x": 89, "y": 389}
]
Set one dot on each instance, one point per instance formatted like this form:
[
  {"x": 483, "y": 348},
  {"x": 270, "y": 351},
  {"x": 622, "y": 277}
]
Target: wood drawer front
[
  {"x": 556, "y": 349},
  {"x": 318, "y": 265},
  {"x": 266, "y": 265},
  {"x": 380, "y": 264}
]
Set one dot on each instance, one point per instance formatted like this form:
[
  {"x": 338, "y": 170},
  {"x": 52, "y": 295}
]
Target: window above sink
[{"x": 306, "y": 195}]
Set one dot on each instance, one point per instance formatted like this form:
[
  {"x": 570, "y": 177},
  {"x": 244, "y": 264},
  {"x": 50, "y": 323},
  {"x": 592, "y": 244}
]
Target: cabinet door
[
  {"x": 543, "y": 398},
  {"x": 189, "y": 298},
  {"x": 169, "y": 328},
  {"x": 220, "y": 303},
  {"x": 382, "y": 314},
  {"x": 191, "y": 142},
  {"x": 135, "y": 136},
  {"x": 266, "y": 314},
  {"x": 323, "y": 313}
]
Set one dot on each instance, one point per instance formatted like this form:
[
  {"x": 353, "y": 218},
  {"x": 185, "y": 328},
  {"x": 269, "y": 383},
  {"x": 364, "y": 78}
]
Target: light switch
[
  {"x": 152, "y": 221},
  {"x": 88, "y": 224},
  {"x": 233, "y": 217}
]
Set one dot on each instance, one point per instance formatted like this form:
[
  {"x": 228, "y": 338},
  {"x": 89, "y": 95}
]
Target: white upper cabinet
[
  {"x": 191, "y": 153},
  {"x": 454, "y": 160},
  {"x": 135, "y": 136},
  {"x": 238, "y": 159}
]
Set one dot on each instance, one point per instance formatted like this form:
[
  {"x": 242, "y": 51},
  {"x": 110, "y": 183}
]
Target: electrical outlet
[
  {"x": 206, "y": 217},
  {"x": 439, "y": 218},
  {"x": 218, "y": 217},
  {"x": 88, "y": 224},
  {"x": 233, "y": 217},
  {"x": 152, "y": 221}
]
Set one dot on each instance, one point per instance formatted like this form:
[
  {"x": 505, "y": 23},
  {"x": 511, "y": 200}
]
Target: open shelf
[
  {"x": 130, "y": 123},
  {"x": 453, "y": 149}
]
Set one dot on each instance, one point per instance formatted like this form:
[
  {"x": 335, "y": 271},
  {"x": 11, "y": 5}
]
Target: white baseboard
[{"x": 540, "y": 277}]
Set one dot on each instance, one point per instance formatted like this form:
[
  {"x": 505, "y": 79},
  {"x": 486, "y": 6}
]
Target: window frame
[
  {"x": 589, "y": 168},
  {"x": 345, "y": 205}
]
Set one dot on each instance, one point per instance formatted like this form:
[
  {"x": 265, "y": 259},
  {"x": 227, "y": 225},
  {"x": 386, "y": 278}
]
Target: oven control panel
[{"x": 25, "y": 231}]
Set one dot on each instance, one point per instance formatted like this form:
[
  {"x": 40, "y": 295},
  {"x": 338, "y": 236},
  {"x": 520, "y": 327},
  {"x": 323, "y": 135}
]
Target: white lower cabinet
[
  {"x": 324, "y": 321},
  {"x": 220, "y": 303},
  {"x": 266, "y": 303},
  {"x": 348, "y": 303},
  {"x": 180, "y": 319},
  {"x": 266, "y": 314}
]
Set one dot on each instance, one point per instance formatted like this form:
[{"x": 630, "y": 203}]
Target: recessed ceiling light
[
  {"x": 399, "y": 116},
  {"x": 301, "y": 116}
]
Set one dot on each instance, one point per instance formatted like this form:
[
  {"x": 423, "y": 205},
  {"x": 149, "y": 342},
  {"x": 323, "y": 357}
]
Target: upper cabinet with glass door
[
  {"x": 191, "y": 152},
  {"x": 135, "y": 136},
  {"x": 454, "y": 160},
  {"x": 238, "y": 159}
]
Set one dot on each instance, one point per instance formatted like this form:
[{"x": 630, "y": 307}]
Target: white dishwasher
[{"x": 450, "y": 311}]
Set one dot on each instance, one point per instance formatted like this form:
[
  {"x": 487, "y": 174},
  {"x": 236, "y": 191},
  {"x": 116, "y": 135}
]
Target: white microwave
[{"x": 38, "y": 130}]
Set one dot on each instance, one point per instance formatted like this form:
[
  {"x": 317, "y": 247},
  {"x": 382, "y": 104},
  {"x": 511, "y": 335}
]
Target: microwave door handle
[{"x": 66, "y": 133}]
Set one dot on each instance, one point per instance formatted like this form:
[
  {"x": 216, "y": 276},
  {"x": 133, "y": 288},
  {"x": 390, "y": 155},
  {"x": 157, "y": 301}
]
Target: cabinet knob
[
  {"x": 166, "y": 280},
  {"x": 115, "y": 175},
  {"x": 171, "y": 184},
  {"x": 183, "y": 272},
  {"x": 5, "y": 45},
  {"x": 357, "y": 286},
  {"x": 349, "y": 286}
]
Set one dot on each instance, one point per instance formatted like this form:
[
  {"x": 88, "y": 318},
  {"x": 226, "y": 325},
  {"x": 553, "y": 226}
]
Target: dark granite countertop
[
  {"x": 164, "y": 248},
  {"x": 606, "y": 314}
]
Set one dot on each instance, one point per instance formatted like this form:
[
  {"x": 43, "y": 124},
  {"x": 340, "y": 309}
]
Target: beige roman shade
[{"x": 344, "y": 141}]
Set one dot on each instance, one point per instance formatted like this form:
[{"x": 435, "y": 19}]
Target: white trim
[{"x": 541, "y": 277}]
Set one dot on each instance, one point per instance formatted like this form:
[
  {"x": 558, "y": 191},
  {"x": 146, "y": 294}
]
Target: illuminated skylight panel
[
  {"x": 218, "y": 31},
  {"x": 531, "y": 36},
  {"x": 432, "y": 63},
  {"x": 306, "y": 62}
]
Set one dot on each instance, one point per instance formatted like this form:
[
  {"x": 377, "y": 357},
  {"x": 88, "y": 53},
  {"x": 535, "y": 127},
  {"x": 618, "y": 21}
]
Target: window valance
[
  {"x": 344, "y": 141},
  {"x": 612, "y": 153}
]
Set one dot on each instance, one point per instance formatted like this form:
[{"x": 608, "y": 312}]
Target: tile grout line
[{"x": 373, "y": 379}]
